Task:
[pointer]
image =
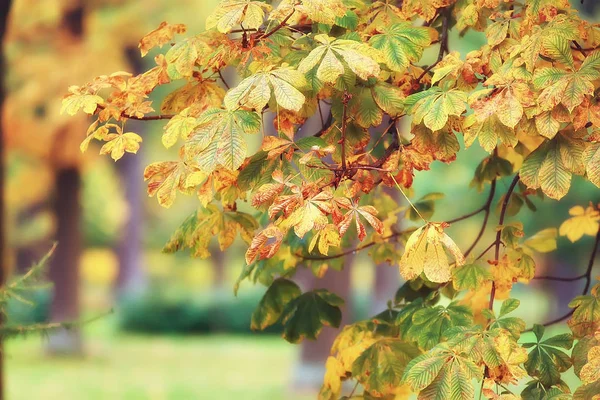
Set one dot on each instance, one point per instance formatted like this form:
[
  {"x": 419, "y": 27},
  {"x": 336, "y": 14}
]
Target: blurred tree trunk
[
  {"x": 309, "y": 372},
  {"x": 4, "y": 10},
  {"x": 64, "y": 267},
  {"x": 131, "y": 279},
  {"x": 218, "y": 263},
  {"x": 384, "y": 287},
  {"x": 387, "y": 278}
]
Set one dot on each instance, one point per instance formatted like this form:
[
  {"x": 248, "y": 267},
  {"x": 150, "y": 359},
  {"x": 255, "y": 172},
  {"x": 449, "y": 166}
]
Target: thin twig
[
  {"x": 559, "y": 278},
  {"x": 487, "y": 207},
  {"x": 278, "y": 27},
  {"x": 445, "y": 13},
  {"x": 344, "y": 127},
  {"x": 588, "y": 280},
  {"x": 223, "y": 80}
]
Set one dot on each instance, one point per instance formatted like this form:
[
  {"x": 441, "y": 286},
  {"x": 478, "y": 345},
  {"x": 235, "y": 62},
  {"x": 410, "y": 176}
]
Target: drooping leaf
[
  {"x": 218, "y": 140},
  {"x": 425, "y": 251},
  {"x": 272, "y": 304},
  {"x": 305, "y": 316}
]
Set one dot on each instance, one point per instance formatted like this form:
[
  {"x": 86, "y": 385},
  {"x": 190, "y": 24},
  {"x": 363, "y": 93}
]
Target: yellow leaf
[
  {"x": 255, "y": 91},
  {"x": 358, "y": 56},
  {"x": 543, "y": 242},
  {"x": 181, "y": 125},
  {"x": 591, "y": 371},
  {"x": 120, "y": 143},
  {"x": 160, "y": 36},
  {"x": 426, "y": 252},
  {"x": 74, "y": 101},
  {"x": 328, "y": 236},
  {"x": 231, "y": 13},
  {"x": 583, "y": 222},
  {"x": 165, "y": 178},
  {"x": 332, "y": 382}
]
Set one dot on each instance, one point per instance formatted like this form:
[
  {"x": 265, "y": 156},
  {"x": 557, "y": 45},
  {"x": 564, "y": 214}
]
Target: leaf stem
[{"x": 407, "y": 199}]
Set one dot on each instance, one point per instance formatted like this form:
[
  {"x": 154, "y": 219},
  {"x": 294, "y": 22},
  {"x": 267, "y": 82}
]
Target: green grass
[{"x": 129, "y": 367}]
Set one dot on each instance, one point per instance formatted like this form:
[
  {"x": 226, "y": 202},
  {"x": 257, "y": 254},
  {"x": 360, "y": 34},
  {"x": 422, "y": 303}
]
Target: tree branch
[
  {"x": 392, "y": 236},
  {"x": 487, "y": 207},
  {"x": 588, "y": 280},
  {"x": 144, "y": 118},
  {"x": 278, "y": 27},
  {"x": 498, "y": 241},
  {"x": 445, "y": 14}
]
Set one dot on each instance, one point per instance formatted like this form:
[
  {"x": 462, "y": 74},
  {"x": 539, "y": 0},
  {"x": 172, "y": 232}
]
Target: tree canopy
[{"x": 306, "y": 199}]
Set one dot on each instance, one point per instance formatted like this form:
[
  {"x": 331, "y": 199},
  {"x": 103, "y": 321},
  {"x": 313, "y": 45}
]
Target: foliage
[{"x": 307, "y": 199}]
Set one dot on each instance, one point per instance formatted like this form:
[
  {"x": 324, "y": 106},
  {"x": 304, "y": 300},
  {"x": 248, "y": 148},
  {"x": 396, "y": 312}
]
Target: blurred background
[{"x": 177, "y": 331}]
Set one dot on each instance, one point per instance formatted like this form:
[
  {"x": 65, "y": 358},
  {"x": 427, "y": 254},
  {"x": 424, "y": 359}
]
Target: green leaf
[
  {"x": 272, "y": 304},
  {"x": 546, "y": 361},
  {"x": 217, "y": 139},
  {"x": 550, "y": 167},
  {"x": 304, "y": 316},
  {"x": 442, "y": 373},
  {"x": 470, "y": 276},
  {"x": 401, "y": 44},
  {"x": 434, "y": 106},
  {"x": 380, "y": 367},
  {"x": 429, "y": 324},
  {"x": 508, "y": 306}
]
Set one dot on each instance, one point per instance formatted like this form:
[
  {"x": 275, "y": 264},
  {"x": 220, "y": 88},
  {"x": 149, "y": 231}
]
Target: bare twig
[
  {"x": 223, "y": 80},
  {"x": 445, "y": 14},
  {"x": 588, "y": 280}
]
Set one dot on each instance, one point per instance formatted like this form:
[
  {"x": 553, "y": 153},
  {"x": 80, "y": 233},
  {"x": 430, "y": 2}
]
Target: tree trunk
[
  {"x": 385, "y": 286},
  {"x": 64, "y": 266},
  {"x": 131, "y": 279},
  {"x": 4, "y": 9},
  {"x": 308, "y": 374}
]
